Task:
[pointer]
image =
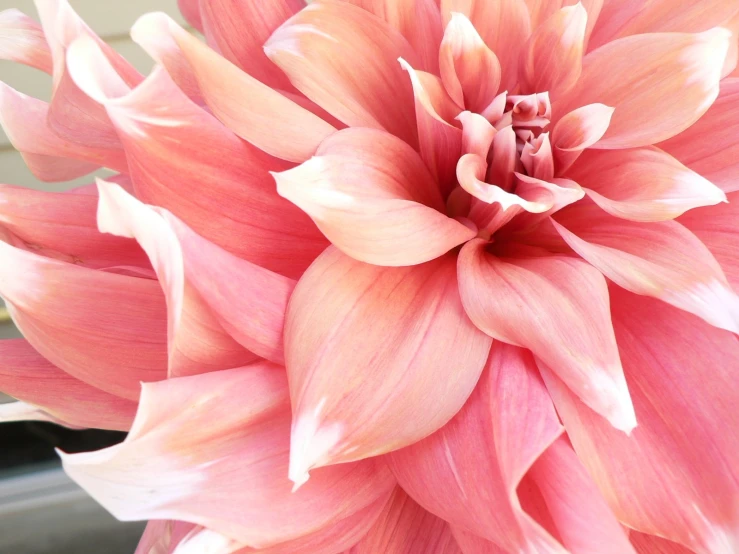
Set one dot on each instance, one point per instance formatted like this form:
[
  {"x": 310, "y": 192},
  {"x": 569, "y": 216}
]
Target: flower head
[{"x": 388, "y": 275}]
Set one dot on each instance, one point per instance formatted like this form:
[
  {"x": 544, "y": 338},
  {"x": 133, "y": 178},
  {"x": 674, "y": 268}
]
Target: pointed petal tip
[
  {"x": 621, "y": 413},
  {"x": 311, "y": 444}
]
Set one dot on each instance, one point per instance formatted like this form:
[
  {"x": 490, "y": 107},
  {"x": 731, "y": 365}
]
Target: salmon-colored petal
[
  {"x": 504, "y": 25},
  {"x": 29, "y": 377},
  {"x": 674, "y": 84},
  {"x": 552, "y": 58},
  {"x": 22, "y": 40},
  {"x": 711, "y": 145},
  {"x": 104, "y": 328},
  {"x": 541, "y": 10},
  {"x": 182, "y": 159},
  {"x": 470, "y": 71},
  {"x": 374, "y": 199},
  {"x": 365, "y": 358},
  {"x": 345, "y": 60},
  {"x": 202, "y": 442},
  {"x": 63, "y": 226},
  {"x": 197, "y": 342},
  {"x": 681, "y": 373},
  {"x": 576, "y": 131},
  {"x": 191, "y": 11},
  {"x": 239, "y": 29},
  {"x": 651, "y": 544},
  {"x": 557, "y": 307},
  {"x": 477, "y": 134},
  {"x": 642, "y": 184},
  {"x": 663, "y": 260},
  {"x": 405, "y": 527}
]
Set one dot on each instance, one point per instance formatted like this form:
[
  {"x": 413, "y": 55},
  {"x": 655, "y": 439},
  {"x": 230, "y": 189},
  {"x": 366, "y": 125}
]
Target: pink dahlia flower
[{"x": 388, "y": 276}]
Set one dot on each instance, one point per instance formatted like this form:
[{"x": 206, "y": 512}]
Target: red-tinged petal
[
  {"x": 191, "y": 11},
  {"x": 650, "y": 544},
  {"x": 182, "y": 159},
  {"x": 557, "y": 307},
  {"x": 663, "y": 260},
  {"x": 504, "y": 25},
  {"x": 49, "y": 157},
  {"x": 372, "y": 196},
  {"x": 29, "y": 377},
  {"x": 22, "y": 40},
  {"x": 642, "y": 184},
  {"x": 104, "y": 328},
  {"x": 440, "y": 142},
  {"x": 578, "y": 130},
  {"x": 404, "y": 527},
  {"x": 368, "y": 349},
  {"x": 345, "y": 60},
  {"x": 681, "y": 373},
  {"x": 672, "y": 86},
  {"x": 63, "y": 226},
  {"x": 470, "y": 71},
  {"x": 552, "y": 58},
  {"x": 239, "y": 29},
  {"x": 203, "y": 442},
  {"x": 717, "y": 228},
  {"x": 711, "y": 146},
  {"x": 197, "y": 343},
  {"x": 467, "y": 472}
]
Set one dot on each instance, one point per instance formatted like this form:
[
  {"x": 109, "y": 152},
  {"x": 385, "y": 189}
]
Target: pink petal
[
  {"x": 239, "y": 29},
  {"x": 103, "y": 328},
  {"x": 199, "y": 444},
  {"x": 504, "y": 25},
  {"x": 578, "y": 130},
  {"x": 663, "y": 260},
  {"x": 558, "y": 308},
  {"x": 22, "y": 411},
  {"x": 650, "y": 544},
  {"x": 711, "y": 145},
  {"x": 404, "y": 527},
  {"x": 672, "y": 86},
  {"x": 642, "y": 184},
  {"x": 29, "y": 377},
  {"x": 345, "y": 60},
  {"x": 163, "y": 536},
  {"x": 191, "y": 11},
  {"x": 541, "y": 10},
  {"x": 374, "y": 199},
  {"x": 22, "y": 40},
  {"x": 681, "y": 373},
  {"x": 469, "y": 69},
  {"x": 477, "y": 134},
  {"x": 552, "y": 59},
  {"x": 365, "y": 358}
]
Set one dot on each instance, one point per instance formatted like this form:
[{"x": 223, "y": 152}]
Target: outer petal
[
  {"x": 642, "y": 184},
  {"x": 558, "y": 308},
  {"x": 345, "y": 60},
  {"x": 198, "y": 443},
  {"x": 22, "y": 411},
  {"x": 672, "y": 86},
  {"x": 106, "y": 329},
  {"x": 29, "y": 377},
  {"x": 374, "y": 199},
  {"x": 191, "y": 11},
  {"x": 368, "y": 349},
  {"x": 711, "y": 146},
  {"x": 681, "y": 373},
  {"x": 22, "y": 40}
]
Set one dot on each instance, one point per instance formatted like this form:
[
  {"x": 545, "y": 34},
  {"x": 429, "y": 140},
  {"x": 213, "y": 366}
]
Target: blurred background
[{"x": 41, "y": 510}]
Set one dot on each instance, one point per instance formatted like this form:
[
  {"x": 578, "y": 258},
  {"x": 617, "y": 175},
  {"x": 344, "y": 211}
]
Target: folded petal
[
  {"x": 711, "y": 145},
  {"x": 29, "y": 377},
  {"x": 22, "y": 40},
  {"x": 239, "y": 29},
  {"x": 104, "y": 328},
  {"x": 552, "y": 58},
  {"x": 578, "y": 130},
  {"x": 672, "y": 86},
  {"x": 642, "y": 184},
  {"x": 681, "y": 373},
  {"x": 345, "y": 60},
  {"x": 663, "y": 260},
  {"x": 203, "y": 442},
  {"x": 372, "y": 196},
  {"x": 558, "y": 308},
  {"x": 368, "y": 349}
]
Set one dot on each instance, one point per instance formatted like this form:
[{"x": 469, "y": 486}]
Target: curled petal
[
  {"x": 29, "y": 377},
  {"x": 374, "y": 199},
  {"x": 477, "y": 134},
  {"x": 22, "y": 40},
  {"x": 537, "y": 158},
  {"x": 368, "y": 349},
  {"x": 205, "y": 441},
  {"x": 558, "y": 308},
  {"x": 578, "y": 130}
]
